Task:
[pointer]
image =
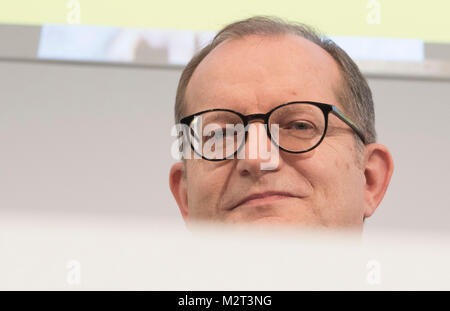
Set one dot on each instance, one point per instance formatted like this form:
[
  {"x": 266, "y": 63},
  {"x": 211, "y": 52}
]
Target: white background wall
[{"x": 94, "y": 140}]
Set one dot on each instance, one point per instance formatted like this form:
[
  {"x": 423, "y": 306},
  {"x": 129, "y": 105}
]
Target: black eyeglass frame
[{"x": 246, "y": 119}]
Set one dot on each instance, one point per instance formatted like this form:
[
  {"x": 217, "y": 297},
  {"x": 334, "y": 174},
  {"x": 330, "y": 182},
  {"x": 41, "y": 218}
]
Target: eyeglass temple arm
[{"x": 341, "y": 116}]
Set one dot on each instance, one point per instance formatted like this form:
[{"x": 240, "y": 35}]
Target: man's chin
[
  {"x": 272, "y": 224},
  {"x": 268, "y": 222}
]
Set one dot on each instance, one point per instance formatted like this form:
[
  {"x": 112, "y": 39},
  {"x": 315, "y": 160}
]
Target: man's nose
[{"x": 259, "y": 155}]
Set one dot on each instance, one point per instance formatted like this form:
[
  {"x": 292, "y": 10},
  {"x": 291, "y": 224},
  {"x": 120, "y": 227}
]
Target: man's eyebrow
[
  {"x": 221, "y": 116},
  {"x": 212, "y": 117}
]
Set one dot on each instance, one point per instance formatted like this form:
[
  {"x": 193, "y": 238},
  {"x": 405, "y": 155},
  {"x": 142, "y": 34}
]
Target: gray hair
[{"x": 355, "y": 95}]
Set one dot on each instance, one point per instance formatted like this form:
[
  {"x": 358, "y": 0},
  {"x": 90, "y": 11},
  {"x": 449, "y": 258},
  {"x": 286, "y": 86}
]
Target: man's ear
[
  {"x": 178, "y": 186},
  {"x": 378, "y": 168}
]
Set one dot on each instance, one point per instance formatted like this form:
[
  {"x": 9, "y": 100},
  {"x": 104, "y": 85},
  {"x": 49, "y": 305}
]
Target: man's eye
[
  {"x": 221, "y": 133},
  {"x": 299, "y": 125}
]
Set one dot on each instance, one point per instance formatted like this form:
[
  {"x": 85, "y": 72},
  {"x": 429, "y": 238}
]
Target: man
[{"x": 330, "y": 171}]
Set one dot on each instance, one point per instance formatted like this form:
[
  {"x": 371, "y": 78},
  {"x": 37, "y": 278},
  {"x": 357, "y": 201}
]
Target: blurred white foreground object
[{"x": 39, "y": 253}]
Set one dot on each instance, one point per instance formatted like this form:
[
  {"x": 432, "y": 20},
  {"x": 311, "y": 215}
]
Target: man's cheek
[{"x": 201, "y": 197}]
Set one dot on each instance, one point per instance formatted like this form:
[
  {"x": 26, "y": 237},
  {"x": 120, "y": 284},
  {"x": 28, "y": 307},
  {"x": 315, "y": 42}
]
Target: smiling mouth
[{"x": 263, "y": 198}]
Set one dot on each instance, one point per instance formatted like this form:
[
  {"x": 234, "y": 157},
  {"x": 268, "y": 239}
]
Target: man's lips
[{"x": 263, "y": 198}]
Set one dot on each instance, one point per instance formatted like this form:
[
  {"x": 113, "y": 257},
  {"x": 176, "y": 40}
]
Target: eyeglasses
[{"x": 302, "y": 126}]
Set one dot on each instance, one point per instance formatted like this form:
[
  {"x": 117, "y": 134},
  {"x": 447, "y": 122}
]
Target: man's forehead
[{"x": 265, "y": 70}]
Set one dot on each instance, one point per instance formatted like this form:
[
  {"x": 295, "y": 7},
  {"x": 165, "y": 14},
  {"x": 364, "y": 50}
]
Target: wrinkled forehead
[{"x": 256, "y": 73}]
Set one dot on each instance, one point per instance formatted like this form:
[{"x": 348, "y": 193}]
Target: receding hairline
[{"x": 337, "y": 86}]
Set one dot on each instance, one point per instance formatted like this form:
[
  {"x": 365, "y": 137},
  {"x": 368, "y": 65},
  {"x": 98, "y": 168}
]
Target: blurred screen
[{"x": 424, "y": 20}]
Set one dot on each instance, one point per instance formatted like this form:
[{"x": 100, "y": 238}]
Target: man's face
[{"x": 322, "y": 187}]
